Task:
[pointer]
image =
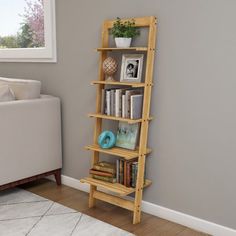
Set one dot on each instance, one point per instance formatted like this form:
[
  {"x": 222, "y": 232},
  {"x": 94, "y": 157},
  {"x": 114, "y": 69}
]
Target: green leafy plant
[{"x": 126, "y": 29}]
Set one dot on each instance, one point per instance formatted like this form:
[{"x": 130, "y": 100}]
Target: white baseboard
[{"x": 165, "y": 213}]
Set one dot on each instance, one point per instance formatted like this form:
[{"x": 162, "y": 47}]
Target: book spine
[
  {"x": 108, "y": 102},
  {"x": 134, "y": 168},
  {"x": 103, "y": 102},
  {"x": 132, "y": 174},
  {"x": 123, "y": 106},
  {"x": 131, "y": 107},
  {"x": 117, "y": 170},
  {"x": 104, "y": 178},
  {"x": 101, "y": 173},
  {"x": 118, "y": 103},
  {"x": 112, "y": 102},
  {"x": 125, "y": 173},
  {"x": 127, "y": 104},
  {"x": 121, "y": 172},
  {"x": 128, "y": 178}
]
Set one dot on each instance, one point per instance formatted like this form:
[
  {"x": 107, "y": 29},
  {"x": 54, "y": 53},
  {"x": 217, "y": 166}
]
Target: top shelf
[{"x": 140, "y": 49}]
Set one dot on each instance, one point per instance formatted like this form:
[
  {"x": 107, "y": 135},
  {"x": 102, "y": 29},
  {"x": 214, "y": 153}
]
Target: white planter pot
[{"x": 123, "y": 42}]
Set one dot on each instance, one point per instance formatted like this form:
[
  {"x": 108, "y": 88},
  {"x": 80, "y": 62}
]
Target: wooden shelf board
[
  {"x": 102, "y": 116},
  {"x": 134, "y": 85},
  {"x": 143, "y": 49},
  {"x": 116, "y": 151},
  {"x": 139, "y": 22},
  {"x": 113, "y": 187}
]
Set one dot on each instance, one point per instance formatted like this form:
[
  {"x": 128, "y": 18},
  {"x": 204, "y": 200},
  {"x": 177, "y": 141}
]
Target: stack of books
[
  {"x": 125, "y": 103},
  {"x": 126, "y": 172},
  {"x": 104, "y": 171},
  {"x": 123, "y": 172}
]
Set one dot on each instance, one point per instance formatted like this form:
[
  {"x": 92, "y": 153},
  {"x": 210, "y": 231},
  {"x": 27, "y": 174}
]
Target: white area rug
[{"x": 25, "y": 214}]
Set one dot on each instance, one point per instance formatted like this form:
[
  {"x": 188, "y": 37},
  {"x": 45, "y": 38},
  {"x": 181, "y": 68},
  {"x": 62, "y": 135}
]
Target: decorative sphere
[{"x": 110, "y": 66}]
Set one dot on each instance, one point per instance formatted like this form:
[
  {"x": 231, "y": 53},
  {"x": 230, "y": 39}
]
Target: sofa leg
[{"x": 58, "y": 177}]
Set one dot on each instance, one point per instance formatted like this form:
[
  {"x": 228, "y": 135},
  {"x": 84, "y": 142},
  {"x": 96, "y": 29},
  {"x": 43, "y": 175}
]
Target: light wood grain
[
  {"x": 139, "y": 22},
  {"x": 145, "y": 123},
  {"x": 116, "y": 151},
  {"x": 141, "y": 153},
  {"x": 117, "y": 188},
  {"x": 133, "y": 85},
  {"x": 140, "y": 49},
  {"x": 129, "y": 121},
  {"x": 129, "y": 205},
  {"x": 119, "y": 217}
]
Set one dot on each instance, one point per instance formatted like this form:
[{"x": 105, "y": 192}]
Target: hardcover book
[
  {"x": 105, "y": 166},
  {"x": 136, "y": 106},
  {"x": 117, "y": 170},
  {"x": 121, "y": 172},
  {"x": 123, "y": 106},
  {"x": 118, "y": 94},
  {"x": 108, "y": 102},
  {"x": 104, "y": 178},
  {"x": 112, "y": 102},
  {"x": 127, "y": 135},
  {"x": 101, "y": 173},
  {"x": 134, "y": 167},
  {"x": 103, "y": 102},
  {"x": 128, "y": 174}
]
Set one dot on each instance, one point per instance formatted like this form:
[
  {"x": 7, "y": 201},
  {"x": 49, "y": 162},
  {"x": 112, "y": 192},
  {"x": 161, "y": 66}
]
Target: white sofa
[{"x": 30, "y": 140}]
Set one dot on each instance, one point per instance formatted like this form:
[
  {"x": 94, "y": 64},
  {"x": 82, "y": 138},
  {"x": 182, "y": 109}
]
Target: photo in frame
[
  {"x": 131, "y": 69},
  {"x": 127, "y": 135}
]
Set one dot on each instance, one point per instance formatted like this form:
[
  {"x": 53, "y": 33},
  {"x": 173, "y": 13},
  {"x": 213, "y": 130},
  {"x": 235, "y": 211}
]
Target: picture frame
[
  {"x": 131, "y": 69},
  {"x": 127, "y": 135}
]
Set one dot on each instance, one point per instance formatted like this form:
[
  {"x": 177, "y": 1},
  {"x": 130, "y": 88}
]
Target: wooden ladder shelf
[{"x": 114, "y": 192}]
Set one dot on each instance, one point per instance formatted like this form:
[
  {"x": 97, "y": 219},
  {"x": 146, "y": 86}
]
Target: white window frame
[{"x": 44, "y": 54}]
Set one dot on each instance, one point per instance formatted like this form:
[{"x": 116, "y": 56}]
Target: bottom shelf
[{"x": 114, "y": 187}]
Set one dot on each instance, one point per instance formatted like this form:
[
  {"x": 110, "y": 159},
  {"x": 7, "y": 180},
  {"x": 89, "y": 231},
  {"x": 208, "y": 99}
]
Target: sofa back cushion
[
  {"x": 6, "y": 94},
  {"x": 23, "y": 89}
]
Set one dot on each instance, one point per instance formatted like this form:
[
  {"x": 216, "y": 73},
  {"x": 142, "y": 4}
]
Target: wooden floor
[{"x": 150, "y": 225}]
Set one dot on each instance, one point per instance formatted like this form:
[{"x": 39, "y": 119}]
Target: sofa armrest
[{"x": 30, "y": 138}]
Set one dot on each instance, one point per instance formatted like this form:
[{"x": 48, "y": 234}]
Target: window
[{"x": 27, "y": 32}]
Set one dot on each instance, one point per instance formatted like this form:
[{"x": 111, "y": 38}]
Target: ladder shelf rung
[
  {"x": 142, "y": 49},
  {"x": 113, "y": 187}
]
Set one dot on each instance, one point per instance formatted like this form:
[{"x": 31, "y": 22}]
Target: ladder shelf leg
[
  {"x": 98, "y": 122},
  {"x": 92, "y": 200},
  {"x": 139, "y": 190}
]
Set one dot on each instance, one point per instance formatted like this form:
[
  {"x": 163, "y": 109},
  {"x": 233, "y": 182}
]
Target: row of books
[
  {"x": 124, "y": 172},
  {"x": 125, "y": 103}
]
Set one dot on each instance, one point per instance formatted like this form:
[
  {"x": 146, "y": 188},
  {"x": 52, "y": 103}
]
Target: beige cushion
[
  {"x": 6, "y": 94},
  {"x": 23, "y": 89}
]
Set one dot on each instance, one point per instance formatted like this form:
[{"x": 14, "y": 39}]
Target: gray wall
[{"x": 194, "y": 99}]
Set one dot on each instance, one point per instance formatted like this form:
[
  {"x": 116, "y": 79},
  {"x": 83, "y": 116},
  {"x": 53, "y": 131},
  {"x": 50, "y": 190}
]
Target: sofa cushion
[
  {"x": 23, "y": 89},
  {"x": 6, "y": 94}
]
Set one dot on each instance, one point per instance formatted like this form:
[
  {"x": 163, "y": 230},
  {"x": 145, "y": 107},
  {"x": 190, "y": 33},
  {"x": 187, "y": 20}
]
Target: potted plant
[{"x": 123, "y": 32}]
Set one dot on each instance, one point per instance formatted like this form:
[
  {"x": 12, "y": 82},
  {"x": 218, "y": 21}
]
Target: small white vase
[{"x": 123, "y": 42}]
